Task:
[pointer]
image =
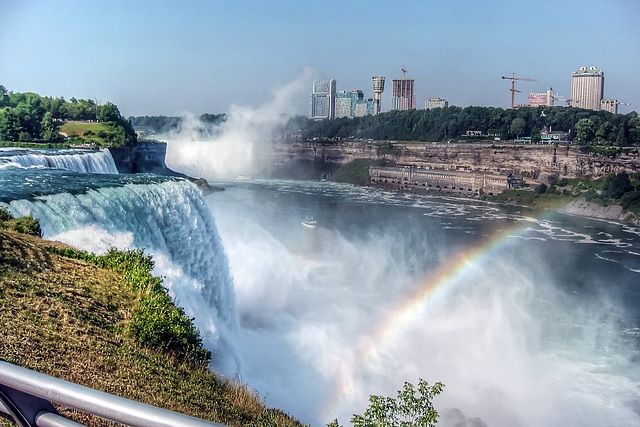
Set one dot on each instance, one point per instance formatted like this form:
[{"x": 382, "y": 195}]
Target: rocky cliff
[
  {"x": 537, "y": 162},
  {"x": 145, "y": 157}
]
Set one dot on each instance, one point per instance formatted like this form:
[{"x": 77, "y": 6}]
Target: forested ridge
[
  {"x": 29, "y": 117},
  {"x": 440, "y": 124}
]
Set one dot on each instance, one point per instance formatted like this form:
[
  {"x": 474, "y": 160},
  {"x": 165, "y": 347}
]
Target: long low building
[{"x": 469, "y": 182}]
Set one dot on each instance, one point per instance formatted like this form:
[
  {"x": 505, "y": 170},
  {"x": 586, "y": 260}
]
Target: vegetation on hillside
[
  {"x": 24, "y": 225},
  {"x": 154, "y": 125},
  {"x": 614, "y": 189},
  {"x": 99, "y": 134},
  {"x": 357, "y": 171},
  {"x": 29, "y": 117},
  {"x": 108, "y": 325},
  {"x": 585, "y": 127}
]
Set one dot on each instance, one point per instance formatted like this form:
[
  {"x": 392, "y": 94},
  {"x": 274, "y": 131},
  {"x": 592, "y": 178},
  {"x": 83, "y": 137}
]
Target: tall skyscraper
[
  {"x": 403, "y": 98},
  {"x": 378, "y": 88},
  {"x": 322, "y": 101},
  {"x": 587, "y": 88}
]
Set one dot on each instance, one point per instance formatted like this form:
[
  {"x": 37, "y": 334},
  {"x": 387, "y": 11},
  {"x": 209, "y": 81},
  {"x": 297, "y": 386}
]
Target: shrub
[
  {"x": 541, "y": 189},
  {"x": 631, "y": 200},
  {"x": 157, "y": 322},
  {"x": 407, "y": 410},
  {"x": 24, "y": 225},
  {"x": 5, "y": 215}
]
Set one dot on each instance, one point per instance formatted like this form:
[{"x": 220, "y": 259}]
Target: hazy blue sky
[{"x": 167, "y": 57}]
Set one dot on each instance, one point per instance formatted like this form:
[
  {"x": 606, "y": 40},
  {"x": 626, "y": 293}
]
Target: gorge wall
[
  {"x": 145, "y": 157},
  {"x": 540, "y": 163}
]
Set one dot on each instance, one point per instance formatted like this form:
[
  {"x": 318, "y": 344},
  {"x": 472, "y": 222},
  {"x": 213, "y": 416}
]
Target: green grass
[
  {"x": 69, "y": 318},
  {"x": 357, "y": 171},
  {"x": 98, "y": 134}
]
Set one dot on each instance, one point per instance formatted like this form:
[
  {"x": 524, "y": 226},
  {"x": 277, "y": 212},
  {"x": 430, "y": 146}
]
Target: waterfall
[
  {"x": 84, "y": 161},
  {"x": 170, "y": 219}
]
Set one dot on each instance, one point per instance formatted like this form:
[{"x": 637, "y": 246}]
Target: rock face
[
  {"x": 145, "y": 157},
  {"x": 593, "y": 210},
  {"x": 541, "y": 163}
]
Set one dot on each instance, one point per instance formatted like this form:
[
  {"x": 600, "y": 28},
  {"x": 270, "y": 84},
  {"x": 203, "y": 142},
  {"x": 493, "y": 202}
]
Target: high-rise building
[
  {"x": 322, "y": 101},
  {"x": 378, "y": 88},
  {"x": 346, "y": 103},
  {"x": 587, "y": 88},
  {"x": 435, "y": 103},
  {"x": 403, "y": 98}
]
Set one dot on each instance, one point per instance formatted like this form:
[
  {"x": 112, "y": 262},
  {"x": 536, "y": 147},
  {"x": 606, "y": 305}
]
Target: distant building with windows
[
  {"x": 587, "y": 88},
  {"x": 432, "y": 103},
  {"x": 542, "y": 99},
  {"x": 346, "y": 103},
  {"x": 610, "y": 105},
  {"x": 322, "y": 101},
  {"x": 352, "y": 104},
  {"x": 403, "y": 97}
]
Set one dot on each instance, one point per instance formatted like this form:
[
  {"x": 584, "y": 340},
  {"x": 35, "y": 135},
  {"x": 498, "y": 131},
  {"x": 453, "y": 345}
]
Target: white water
[
  {"x": 512, "y": 348},
  {"x": 93, "y": 161},
  {"x": 173, "y": 223},
  {"x": 240, "y": 145}
]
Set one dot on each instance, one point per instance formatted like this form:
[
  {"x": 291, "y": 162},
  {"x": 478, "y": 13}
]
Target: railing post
[
  {"x": 28, "y": 396},
  {"x": 23, "y": 407}
]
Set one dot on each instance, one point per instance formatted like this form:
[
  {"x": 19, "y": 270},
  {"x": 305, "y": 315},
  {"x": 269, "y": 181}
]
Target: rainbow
[{"x": 435, "y": 285}]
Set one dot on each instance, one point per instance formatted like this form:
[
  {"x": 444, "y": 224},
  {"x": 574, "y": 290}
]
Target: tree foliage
[
  {"x": 31, "y": 117},
  {"x": 441, "y": 124},
  {"x": 616, "y": 185},
  {"x": 412, "y": 407}
]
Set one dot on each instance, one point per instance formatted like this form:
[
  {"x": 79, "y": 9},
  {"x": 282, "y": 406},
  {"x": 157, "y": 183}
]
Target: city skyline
[{"x": 153, "y": 58}]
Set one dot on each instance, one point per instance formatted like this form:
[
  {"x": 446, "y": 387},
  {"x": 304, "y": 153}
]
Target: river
[{"x": 529, "y": 318}]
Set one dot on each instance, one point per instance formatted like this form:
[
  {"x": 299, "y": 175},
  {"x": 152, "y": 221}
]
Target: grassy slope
[
  {"x": 65, "y": 318},
  {"x": 78, "y": 129}
]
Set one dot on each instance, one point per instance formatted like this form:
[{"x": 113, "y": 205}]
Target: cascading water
[
  {"x": 168, "y": 217},
  {"x": 527, "y": 321},
  {"x": 87, "y": 161}
]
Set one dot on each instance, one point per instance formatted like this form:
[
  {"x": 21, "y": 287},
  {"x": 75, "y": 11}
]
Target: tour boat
[{"x": 309, "y": 222}]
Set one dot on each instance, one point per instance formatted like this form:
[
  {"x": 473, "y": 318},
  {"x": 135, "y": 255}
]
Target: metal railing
[{"x": 27, "y": 397}]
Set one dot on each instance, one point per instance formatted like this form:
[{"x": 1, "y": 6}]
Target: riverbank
[{"x": 528, "y": 198}]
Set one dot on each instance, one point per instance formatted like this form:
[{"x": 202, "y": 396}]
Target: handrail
[{"x": 27, "y": 395}]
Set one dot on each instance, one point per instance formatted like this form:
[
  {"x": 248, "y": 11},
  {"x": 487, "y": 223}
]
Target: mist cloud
[{"x": 237, "y": 146}]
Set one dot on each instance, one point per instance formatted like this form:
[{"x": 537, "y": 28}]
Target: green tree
[
  {"x": 48, "y": 131},
  {"x": 408, "y": 409},
  {"x": 616, "y": 185},
  {"x": 109, "y": 113},
  {"x": 10, "y": 126},
  {"x": 585, "y": 131},
  {"x": 602, "y": 134},
  {"x": 517, "y": 126},
  {"x": 620, "y": 137},
  {"x": 4, "y": 96}
]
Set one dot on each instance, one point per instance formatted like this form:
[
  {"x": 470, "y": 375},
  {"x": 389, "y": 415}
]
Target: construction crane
[
  {"x": 403, "y": 72},
  {"x": 513, "y": 79}
]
